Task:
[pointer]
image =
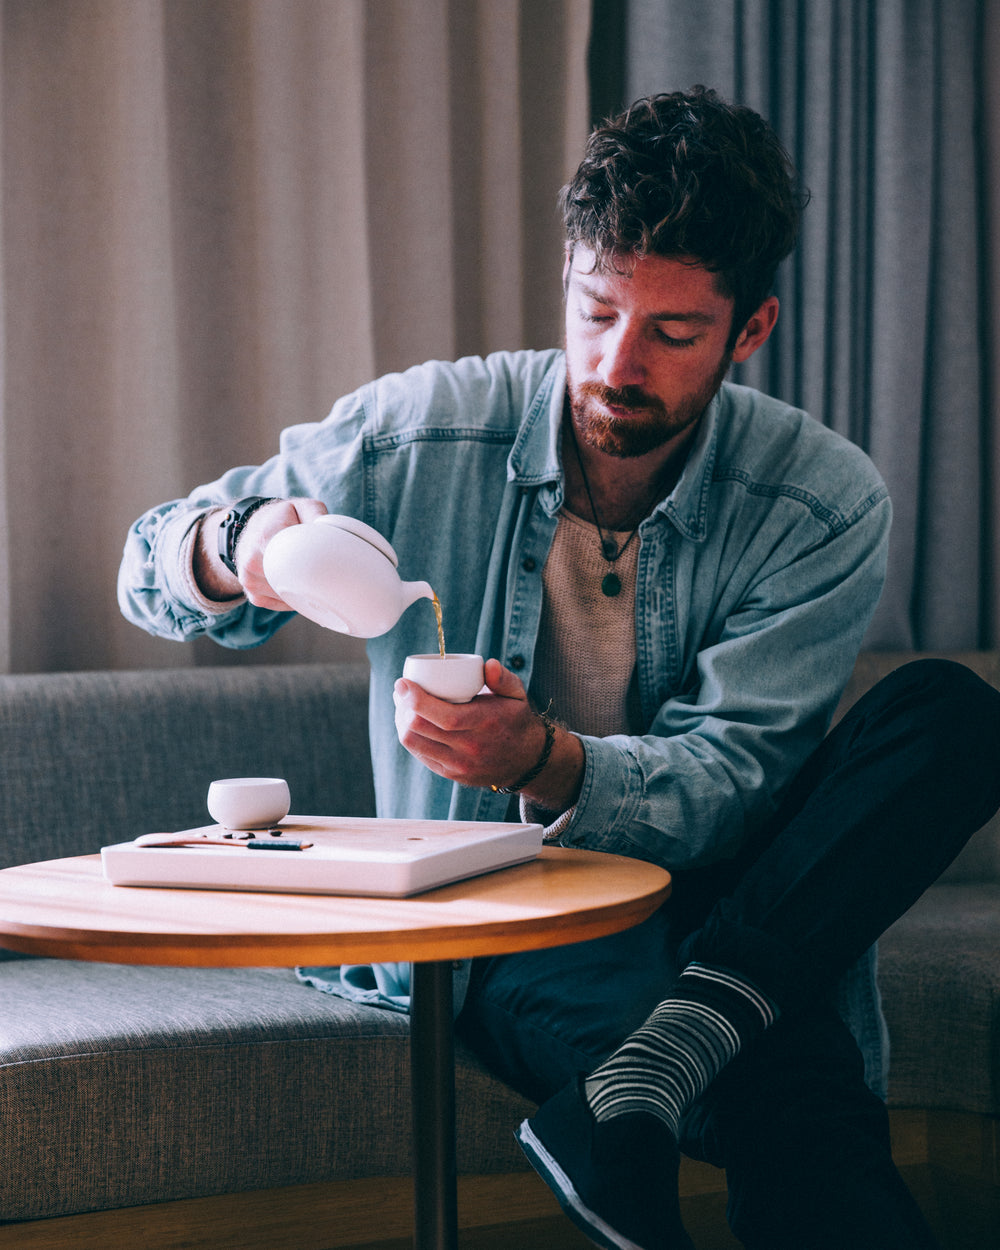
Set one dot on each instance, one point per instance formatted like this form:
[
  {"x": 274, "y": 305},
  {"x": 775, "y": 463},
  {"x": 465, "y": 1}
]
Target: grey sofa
[{"x": 238, "y": 1108}]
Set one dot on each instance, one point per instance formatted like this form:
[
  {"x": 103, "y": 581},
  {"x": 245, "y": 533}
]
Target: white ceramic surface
[
  {"x": 249, "y": 802},
  {"x": 341, "y": 574},
  {"x": 347, "y": 855},
  {"x": 456, "y": 677}
]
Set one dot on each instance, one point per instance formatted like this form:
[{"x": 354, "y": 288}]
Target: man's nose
[{"x": 622, "y": 359}]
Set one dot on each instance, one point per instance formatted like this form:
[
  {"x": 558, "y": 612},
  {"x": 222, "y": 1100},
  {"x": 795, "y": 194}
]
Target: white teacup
[
  {"x": 454, "y": 677},
  {"x": 249, "y": 802}
]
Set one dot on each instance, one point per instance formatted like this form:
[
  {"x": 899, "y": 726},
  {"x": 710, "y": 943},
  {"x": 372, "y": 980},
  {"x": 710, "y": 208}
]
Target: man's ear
[
  {"x": 757, "y": 330},
  {"x": 567, "y": 266}
]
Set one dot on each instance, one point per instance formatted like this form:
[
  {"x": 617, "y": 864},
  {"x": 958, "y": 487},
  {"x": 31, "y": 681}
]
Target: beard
[{"x": 647, "y": 424}]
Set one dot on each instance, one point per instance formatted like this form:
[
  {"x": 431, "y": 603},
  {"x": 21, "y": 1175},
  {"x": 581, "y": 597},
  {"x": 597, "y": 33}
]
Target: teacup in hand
[
  {"x": 249, "y": 802},
  {"x": 454, "y": 677}
]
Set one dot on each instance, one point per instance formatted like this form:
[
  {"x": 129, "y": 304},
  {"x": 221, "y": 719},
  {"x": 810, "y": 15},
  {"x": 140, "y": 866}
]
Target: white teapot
[{"x": 342, "y": 574}]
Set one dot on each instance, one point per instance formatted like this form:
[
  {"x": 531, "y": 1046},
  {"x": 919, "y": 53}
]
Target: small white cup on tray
[{"x": 243, "y": 803}]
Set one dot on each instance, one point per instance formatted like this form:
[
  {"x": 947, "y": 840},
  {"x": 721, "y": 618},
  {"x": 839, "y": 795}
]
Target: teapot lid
[{"x": 360, "y": 530}]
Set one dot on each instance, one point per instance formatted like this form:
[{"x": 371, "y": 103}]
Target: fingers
[
  {"x": 309, "y": 509},
  {"x": 427, "y": 727},
  {"x": 472, "y": 743},
  {"x": 258, "y": 532},
  {"x": 502, "y": 681}
]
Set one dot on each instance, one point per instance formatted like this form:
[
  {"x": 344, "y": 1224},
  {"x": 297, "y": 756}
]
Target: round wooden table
[{"x": 67, "y": 909}]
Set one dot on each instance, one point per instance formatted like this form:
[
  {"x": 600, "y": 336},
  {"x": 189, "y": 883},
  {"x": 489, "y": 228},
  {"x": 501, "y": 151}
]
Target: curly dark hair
[{"x": 687, "y": 174}]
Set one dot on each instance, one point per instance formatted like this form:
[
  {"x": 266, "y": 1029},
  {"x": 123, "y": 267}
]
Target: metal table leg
[{"x": 432, "y": 1070}]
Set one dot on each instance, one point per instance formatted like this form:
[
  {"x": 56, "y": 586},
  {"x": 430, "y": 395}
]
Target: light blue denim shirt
[{"x": 756, "y": 580}]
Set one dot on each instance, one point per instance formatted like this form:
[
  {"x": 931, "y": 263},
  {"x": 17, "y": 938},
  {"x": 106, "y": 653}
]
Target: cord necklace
[{"x": 611, "y": 583}]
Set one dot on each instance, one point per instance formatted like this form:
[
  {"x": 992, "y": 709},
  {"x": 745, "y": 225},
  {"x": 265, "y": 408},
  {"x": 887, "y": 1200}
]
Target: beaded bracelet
[
  {"x": 231, "y": 527},
  {"x": 543, "y": 759}
]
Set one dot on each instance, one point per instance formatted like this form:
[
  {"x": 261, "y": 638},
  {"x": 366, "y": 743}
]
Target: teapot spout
[{"x": 412, "y": 591}]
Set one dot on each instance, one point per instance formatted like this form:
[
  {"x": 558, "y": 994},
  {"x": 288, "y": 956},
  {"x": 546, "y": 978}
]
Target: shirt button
[
  {"x": 528, "y": 564},
  {"x": 517, "y": 662}
]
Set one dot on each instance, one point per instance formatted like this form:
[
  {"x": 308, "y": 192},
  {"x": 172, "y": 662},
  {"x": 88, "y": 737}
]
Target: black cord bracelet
[{"x": 543, "y": 759}]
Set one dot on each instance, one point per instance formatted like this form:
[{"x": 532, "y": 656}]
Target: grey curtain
[
  {"x": 885, "y": 327},
  {"x": 216, "y": 217}
]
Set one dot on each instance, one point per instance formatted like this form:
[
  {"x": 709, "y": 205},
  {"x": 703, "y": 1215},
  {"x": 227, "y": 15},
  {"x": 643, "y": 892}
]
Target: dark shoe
[{"x": 616, "y": 1180}]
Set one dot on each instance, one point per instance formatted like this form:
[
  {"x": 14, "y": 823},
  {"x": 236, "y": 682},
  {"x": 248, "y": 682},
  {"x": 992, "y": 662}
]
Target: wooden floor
[
  {"x": 963, "y": 1221},
  {"x": 951, "y": 1163},
  {"x": 960, "y": 1219}
]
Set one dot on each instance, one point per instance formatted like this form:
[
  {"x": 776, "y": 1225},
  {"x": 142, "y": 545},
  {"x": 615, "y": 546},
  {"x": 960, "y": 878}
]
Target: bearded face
[
  {"x": 647, "y": 347},
  {"x": 630, "y": 421}
]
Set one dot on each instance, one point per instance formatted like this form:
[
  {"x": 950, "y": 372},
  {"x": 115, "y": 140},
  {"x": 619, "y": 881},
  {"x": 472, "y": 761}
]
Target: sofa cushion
[
  {"x": 140, "y": 1084},
  {"x": 87, "y": 759},
  {"x": 128, "y": 1085},
  {"x": 939, "y": 971}
]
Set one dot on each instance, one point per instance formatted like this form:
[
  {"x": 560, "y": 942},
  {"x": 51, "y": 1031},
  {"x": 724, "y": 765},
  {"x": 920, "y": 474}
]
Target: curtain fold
[
  {"x": 217, "y": 216},
  {"x": 884, "y": 331}
]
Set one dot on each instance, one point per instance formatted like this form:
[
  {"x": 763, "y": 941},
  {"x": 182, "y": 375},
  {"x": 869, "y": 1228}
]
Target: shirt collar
[
  {"x": 687, "y": 504},
  {"x": 534, "y": 458}
]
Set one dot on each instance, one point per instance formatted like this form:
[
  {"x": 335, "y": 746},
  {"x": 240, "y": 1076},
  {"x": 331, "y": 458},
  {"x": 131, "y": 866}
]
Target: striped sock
[{"x": 685, "y": 1042}]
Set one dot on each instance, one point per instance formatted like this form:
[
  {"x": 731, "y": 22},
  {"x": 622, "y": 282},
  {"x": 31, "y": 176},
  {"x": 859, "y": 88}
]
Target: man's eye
[
  {"x": 595, "y": 318},
  {"x": 674, "y": 342}
]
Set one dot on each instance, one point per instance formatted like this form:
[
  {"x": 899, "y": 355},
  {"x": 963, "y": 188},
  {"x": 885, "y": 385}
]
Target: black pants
[{"x": 878, "y": 812}]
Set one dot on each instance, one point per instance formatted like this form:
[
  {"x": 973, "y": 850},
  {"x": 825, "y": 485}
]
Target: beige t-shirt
[{"x": 585, "y": 658}]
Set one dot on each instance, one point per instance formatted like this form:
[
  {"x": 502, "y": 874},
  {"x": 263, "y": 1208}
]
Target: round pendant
[
  {"x": 610, "y": 549},
  {"x": 611, "y": 585}
]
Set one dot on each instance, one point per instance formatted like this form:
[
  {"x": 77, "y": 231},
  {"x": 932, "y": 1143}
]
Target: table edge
[{"x": 235, "y": 949}]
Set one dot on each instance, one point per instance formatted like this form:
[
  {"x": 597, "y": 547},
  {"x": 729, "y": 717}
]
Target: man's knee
[
  {"x": 539, "y": 1017},
  {"x": 950, "y": 718},
  {"x": 940, "y": 690}
]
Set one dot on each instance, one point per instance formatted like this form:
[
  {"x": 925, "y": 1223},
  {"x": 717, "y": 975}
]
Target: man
[{"x": 676, "y": 574}]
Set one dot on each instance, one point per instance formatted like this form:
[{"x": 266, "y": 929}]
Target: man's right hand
[{"x": 217, "y": 582}]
